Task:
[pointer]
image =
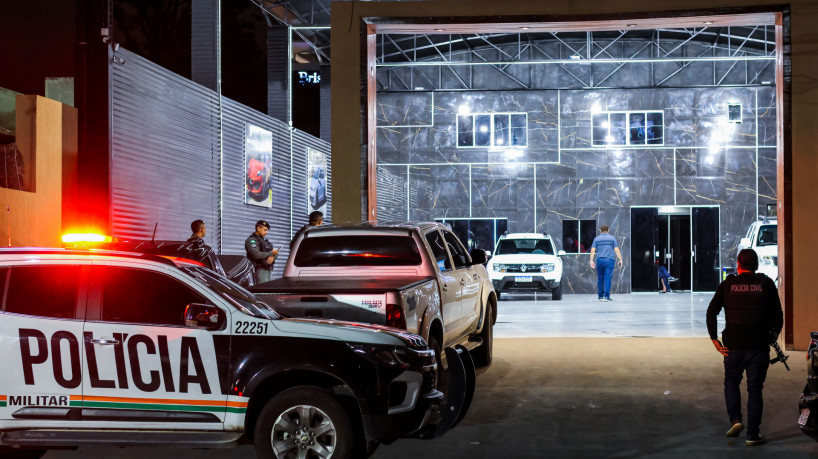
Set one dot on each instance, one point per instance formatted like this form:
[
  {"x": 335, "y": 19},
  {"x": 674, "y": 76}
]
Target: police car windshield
[
  {"x": 237, "y": 295},
  {"x": 525, "y": 246},
  {"x": 768, "y": 235}
]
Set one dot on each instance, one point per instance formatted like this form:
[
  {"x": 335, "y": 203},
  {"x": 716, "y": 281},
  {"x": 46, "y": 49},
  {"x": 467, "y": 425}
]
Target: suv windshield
[
  {"x": 237, "y": 295},
  {"x": 357, "y": 251},
  {"x": 525, "y": 246},
  {"x": 768, "y": 235}
]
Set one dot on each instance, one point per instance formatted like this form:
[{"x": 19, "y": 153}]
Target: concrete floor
[
  {"x": 547, "y": 395},
  {"x": 636, "y": 315}
]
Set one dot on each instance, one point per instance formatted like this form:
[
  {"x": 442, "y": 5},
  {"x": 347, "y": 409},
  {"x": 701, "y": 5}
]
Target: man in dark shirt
[
  {"x": 753, "y": 317},
  {"x": 198, "y": 230}
]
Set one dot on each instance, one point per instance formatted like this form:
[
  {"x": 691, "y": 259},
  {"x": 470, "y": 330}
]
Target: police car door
[
  {"x": 144, "y": 366},
  {"x": 40, "y": 340}
]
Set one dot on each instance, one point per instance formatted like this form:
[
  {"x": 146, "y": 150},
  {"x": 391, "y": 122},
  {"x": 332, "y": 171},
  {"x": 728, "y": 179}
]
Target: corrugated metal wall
[{"x": 165, "y": 162}]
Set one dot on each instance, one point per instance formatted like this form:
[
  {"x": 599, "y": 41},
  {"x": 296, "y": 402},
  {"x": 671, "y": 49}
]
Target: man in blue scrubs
[{"x": 605, "y": 248}]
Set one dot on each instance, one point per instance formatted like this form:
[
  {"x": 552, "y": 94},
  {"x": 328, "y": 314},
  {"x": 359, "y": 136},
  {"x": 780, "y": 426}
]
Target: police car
[
  {"x": 116, "y": 348},
  {"x": 526, "y": 262}
]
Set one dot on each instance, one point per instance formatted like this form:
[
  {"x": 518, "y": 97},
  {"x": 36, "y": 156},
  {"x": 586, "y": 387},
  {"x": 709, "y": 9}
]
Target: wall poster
[
  {"x": 316, "y": 181},
  {"x": 258, "y": 166}
]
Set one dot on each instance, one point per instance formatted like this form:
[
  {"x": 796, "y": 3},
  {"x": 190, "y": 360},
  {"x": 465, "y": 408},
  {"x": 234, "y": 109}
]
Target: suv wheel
[
  {"x": 556, "y": 294},
  {"x": 303, "y": 422},
  {"x": 483, "y": 354}
]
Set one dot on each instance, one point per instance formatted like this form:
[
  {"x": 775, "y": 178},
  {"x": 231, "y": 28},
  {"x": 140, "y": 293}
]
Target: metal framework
[{"x": 585, "y": 57}]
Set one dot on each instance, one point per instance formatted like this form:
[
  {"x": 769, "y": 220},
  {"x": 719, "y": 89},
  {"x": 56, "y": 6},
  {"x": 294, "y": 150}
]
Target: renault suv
[{"x": 526, "y": 262}]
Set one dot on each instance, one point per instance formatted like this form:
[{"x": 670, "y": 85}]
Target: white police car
[
  {"x": 114, "y": 348},
  {"x": 526, "y": 262}
]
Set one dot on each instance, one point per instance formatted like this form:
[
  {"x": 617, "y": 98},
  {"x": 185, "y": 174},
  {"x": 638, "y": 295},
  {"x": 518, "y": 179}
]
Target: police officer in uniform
[
  {"x": 753, "y": 317},
  {"x": 260, "y": 252}
]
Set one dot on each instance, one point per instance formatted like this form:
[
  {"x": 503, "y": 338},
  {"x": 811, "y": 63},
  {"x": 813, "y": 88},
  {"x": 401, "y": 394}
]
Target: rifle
[{"x": 779, "y": 355}]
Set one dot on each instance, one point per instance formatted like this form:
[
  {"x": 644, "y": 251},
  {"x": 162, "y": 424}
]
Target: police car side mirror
[
  {"x": 204, "y": 316},
  {"x": 744, "y": 242},
  {"x": 561, "y": 253}
]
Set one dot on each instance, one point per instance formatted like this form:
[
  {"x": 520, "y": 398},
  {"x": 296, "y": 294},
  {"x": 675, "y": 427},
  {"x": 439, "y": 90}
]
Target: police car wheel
[
  {"x": 303, "y": 422},
  {"x": 7, "y": 452}
]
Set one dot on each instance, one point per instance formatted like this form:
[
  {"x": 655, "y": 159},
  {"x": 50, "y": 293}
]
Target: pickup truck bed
[{"x": 352, "y": 299}]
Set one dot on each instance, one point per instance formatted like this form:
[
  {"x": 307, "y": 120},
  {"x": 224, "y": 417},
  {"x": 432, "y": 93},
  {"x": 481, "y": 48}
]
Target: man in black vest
[{"x": 753, "y": 319}]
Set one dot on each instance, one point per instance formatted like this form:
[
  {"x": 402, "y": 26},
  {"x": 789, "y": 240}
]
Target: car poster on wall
[
  {"x": 317, "y": 181},
  {"x": 258, "y": 166}
]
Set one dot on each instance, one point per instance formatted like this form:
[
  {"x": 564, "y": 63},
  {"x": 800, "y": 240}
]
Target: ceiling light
[
  {"x": 576, "y": 56},
  {"x": 524, "y": 28},
  {"x": 707, "y": 22},
  {"x": 631, "y": 25},
  {"x": 440, "y": 30}
]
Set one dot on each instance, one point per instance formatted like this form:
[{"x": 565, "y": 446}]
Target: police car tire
[
  {"x": 7, "y": 452},
  {"x": 304, "y": 395}
]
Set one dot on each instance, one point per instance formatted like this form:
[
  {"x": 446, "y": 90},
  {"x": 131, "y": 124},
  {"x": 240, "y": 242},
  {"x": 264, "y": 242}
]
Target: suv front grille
[{"x": 529, "y": 268}]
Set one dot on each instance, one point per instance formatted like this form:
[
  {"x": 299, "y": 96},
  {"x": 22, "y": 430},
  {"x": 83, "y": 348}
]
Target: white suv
[
  {"x": 526, "y": 262},
  {"x": 762, "y": 236}
]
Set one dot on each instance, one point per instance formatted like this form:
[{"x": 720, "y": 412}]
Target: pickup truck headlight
[
  {"x": 548, "y": 267},
  {"x": 500, "y": 268}
]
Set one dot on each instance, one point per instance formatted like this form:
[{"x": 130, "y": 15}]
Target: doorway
[{"x": 683, "y": 238}]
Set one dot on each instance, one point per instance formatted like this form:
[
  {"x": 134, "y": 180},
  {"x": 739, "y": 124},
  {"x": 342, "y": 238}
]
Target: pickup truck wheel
[
  {"x": 303, "y": 422},
  {"x": 7, "y": 452},
  {"x": 484, "y": 354},
  {"x": 442, "y": 376},
  {"x": 556, "y": 294}
]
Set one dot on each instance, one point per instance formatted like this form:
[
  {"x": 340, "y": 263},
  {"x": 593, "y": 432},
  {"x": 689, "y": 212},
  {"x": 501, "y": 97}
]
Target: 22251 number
[{"x": 251, "y": 328}]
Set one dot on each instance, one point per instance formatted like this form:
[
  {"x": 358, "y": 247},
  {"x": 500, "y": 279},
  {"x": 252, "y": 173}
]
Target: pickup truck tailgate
[{"x": 351, "y": 299}]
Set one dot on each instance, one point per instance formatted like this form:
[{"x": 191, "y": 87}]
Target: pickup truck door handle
[
  {"x": 104, "y": 341},
  {"x": 462, "y": 281},
  {"x": 474, "y": 277},
  {"x": 446, "y": 287}
]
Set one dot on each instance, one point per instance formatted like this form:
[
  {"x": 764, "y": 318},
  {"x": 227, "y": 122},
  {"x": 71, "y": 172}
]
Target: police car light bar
[{"x": 73, "y": 238}]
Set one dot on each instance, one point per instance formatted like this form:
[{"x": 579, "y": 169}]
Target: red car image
[{"x": 258, "y": 180}]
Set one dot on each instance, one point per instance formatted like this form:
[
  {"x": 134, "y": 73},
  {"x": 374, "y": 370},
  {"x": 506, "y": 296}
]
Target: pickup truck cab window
[
  {"x": 436, "y": 243},
  {"x": 346, "y": 250},
  {"x": 459, "y": 256},
  {"x": 45, "y": 291}
]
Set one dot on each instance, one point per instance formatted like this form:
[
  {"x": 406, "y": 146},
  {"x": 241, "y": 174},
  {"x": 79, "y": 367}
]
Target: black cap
[
  {"x": 262, "y": 223},
  {"x": 748, "y": 259}
]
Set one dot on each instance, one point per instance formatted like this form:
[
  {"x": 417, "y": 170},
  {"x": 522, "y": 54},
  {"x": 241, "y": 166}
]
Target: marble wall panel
[
  {"x": 494, "y": 194},
  {"x": 627, "y": 192},
  {"x": 733, "y": 221},
  {"x": 740, "y": 162},
  {"x": 591, "y": 192},
  {"x": 392, "y": 193},
  {"x": 740, "y": 190},
  {"x": 404, "y": 108},
  {"x": 566, "y": 168},
  {"x": 687, "y": 162},
  {"x": 767, "y": 162},
  {"x": 591, "y": 163},
  {"x": 767, "y": 191},
  {"x": 621, "y": 163},
  {"x": 700, "y": 191},
  {"x": 653, "y": 163},
  {"x": 710, "y": 162},
  {"x": 555, "y": 192},
  {"x": 767, "y": 116}
]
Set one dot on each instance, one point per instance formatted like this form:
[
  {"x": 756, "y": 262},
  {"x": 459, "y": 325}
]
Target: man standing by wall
[
  {"x": 198, "y": 229},
  {"x": 606, "y": 248},
  {"x": 753, "y": 319},
  {"x": 260, "y": 252},
  {"x": 316, "y": 219}
]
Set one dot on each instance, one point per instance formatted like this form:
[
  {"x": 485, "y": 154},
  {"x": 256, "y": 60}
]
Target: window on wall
[
  {"x": 628, "y": 128},
  {"x": 492, "y": 130},
  {"x": 578, "y": 235}
]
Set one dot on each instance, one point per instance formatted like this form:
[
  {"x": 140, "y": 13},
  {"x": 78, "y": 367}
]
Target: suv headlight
[
  {"x": 766, "y": 260},
  {"x": 394, "y": 356},
  {"x": 548, "y": 267},
  {"x": 500, "y": 268}
]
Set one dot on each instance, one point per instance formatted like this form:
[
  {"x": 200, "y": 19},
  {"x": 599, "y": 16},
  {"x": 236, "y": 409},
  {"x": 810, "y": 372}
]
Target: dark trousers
[
  {"x": 755, "y": 364},
  {"x": 664, "y": 278},
  {"x": 604, "y": 272}
]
